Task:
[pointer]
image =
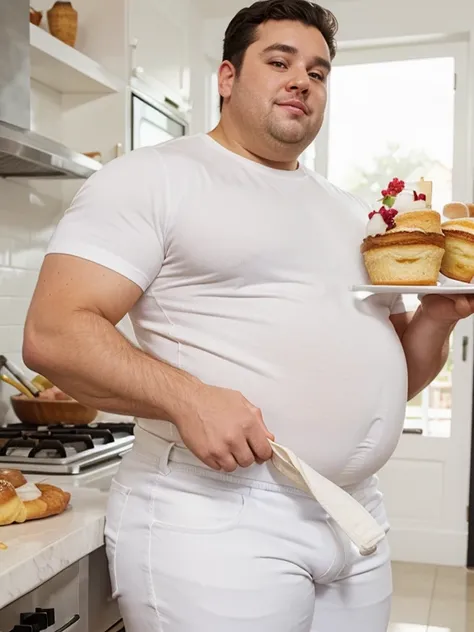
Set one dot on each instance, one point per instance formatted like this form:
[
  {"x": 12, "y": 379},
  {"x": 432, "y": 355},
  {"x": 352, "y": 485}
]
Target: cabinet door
[{"x": 160, "y": 34}]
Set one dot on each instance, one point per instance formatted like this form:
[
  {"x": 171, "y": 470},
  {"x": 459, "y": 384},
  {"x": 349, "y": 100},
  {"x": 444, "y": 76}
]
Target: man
[{"x": 234, "y": 262}]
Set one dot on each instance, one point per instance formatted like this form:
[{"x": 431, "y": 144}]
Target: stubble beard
[{"x": 299, "y": 135}]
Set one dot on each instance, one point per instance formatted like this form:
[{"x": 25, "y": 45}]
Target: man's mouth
[{"x": 295, "y": 107}]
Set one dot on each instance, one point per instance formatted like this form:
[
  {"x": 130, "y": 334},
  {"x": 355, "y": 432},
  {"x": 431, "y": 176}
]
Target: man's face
[{"x": 281, "y": 92}]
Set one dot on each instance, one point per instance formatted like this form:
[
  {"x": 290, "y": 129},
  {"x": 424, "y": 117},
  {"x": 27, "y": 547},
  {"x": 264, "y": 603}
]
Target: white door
[{"x": 400, "y": 113}]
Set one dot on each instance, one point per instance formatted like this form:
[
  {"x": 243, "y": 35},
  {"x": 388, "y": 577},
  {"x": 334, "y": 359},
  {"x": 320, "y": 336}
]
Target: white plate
[{"x": 466, "y": 288}]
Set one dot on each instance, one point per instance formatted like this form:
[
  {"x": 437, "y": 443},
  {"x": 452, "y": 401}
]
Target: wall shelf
[{"x": 66, "y": 69}]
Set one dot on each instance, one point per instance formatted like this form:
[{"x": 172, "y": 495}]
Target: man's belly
[{"x": 331, "y": 388}]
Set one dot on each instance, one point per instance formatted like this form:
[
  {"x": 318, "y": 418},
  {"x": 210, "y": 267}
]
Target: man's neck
[{"x": 231, "y": 141}]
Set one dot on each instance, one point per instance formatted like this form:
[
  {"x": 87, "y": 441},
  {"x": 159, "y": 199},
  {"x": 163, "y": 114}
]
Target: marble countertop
[{"x": 40, "y": 549}]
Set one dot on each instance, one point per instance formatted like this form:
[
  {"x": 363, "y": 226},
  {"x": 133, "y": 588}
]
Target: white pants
[{"x": 194, "y": 550}]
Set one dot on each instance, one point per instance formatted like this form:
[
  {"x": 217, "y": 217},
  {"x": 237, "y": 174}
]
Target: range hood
[{"x": 24, "y": 153}]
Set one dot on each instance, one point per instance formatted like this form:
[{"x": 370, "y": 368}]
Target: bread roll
[
  {"x": 15, "y": 477},
  {"x": 455, "y": 210},
  {"x": 471, "y": 209},
  {"x": 12, "y": 508},
  {"x": 50, "y": 501}
]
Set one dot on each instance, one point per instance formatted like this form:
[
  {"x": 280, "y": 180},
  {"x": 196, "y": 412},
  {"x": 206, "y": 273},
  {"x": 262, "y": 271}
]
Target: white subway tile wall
[{"x": 29, "y": 212}]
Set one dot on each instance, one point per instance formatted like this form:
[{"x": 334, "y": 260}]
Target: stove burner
[
  {"x": 22, "y": 442},
  {"x": 49, "y": 444},
  {"x": 56, "y": 438},
  {"x": 71, "y": 434},
  {"x": 98, "y": 429}
]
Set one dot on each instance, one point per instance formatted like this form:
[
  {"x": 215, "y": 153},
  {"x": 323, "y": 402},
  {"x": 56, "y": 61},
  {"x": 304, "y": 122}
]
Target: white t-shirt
[{"x": 246, "y": 272}]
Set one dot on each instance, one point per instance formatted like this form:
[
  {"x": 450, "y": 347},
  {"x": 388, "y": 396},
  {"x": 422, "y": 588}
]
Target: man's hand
[
  {"x": 425, "y": 335},
  {"x": 448, "y": 308},
  {"x": 223, "y": 429}
]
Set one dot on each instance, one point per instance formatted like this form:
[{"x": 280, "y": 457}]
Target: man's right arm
[
  {"x": 71, "y": 338},
  {"x": 70, "y": 335}
]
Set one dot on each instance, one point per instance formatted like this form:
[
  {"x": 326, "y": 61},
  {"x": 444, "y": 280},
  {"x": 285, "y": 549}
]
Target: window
[
  {"x": 392, "y": 119},
  {"x": 396, "y": 118}
]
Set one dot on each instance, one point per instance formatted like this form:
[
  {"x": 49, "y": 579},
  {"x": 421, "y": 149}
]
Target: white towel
[{"x": 354, "y": 520}]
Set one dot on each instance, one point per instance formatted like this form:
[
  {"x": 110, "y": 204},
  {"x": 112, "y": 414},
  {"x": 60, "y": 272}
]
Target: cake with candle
[{"x": 404, "y": 244}]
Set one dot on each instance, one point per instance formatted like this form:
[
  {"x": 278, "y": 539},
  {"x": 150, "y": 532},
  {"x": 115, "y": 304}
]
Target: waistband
[{"x": 161, "y": 451}]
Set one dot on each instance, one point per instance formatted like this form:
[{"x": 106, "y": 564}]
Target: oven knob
[
  {"x": 49, "y": 613},
  {"x": 37, "y": 620}
]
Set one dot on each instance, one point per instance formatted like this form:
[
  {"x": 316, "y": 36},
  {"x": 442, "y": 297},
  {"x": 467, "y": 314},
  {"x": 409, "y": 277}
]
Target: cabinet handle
[
  {"x": 70, "y": 623},
  {"x": 465, "y": 343}
]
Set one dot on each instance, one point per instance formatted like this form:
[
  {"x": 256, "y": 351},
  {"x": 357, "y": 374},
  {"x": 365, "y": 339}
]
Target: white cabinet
[{"x": 159, "y": 39}]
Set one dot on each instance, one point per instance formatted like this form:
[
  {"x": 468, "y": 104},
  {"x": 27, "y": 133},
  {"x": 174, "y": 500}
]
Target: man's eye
[
  {"x": 278, "y": 64},
  {"x": 316, "y": 75}
]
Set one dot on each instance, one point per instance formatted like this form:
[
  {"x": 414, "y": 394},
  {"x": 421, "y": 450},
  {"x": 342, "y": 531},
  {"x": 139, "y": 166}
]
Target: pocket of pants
[
  {"x": 193, "y": 504},
  {"x": 117, "y": 503}
]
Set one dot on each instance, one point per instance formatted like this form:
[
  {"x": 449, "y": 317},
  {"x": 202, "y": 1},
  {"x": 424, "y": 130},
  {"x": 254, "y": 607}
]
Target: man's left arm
[{"x": 425, "y": 334}]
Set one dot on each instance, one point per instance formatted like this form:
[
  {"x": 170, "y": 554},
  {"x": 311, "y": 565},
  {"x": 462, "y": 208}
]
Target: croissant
[{"x": 52, "y": 500}]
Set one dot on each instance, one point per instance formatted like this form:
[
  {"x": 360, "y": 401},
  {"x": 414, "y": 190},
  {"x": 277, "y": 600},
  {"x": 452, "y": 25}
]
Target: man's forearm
[
  {"x": 426, "y": 346},
  {"x": 93, "y": 362}
]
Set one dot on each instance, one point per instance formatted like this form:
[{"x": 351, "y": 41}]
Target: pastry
[
  {"x": 404, "y": 243},
  {"x": 21, "y": 501},
  {"x": 458, "y": 260},
  {"x": 454, "y": 210},
  {"x": 15, "y": 477},
  {"x": 12, "y": 508}
]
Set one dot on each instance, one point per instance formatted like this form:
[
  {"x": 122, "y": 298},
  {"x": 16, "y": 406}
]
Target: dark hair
[{"x": 242, "y": 30}]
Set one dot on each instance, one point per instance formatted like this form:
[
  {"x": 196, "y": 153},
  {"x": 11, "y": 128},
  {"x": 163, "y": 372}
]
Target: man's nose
[{"x": 299, "y": 82}]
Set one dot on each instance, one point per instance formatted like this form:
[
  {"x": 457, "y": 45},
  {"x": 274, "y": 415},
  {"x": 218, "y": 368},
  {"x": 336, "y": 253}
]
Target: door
[{"x": 403, "y": 112}]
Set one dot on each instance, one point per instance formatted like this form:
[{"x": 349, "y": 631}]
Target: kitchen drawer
[
  {"x": 62, "y": 592},
  {"x": 81, "y": 589}
]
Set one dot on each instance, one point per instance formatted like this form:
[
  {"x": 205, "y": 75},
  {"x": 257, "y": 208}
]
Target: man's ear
[{"x": 226, "y": 77}]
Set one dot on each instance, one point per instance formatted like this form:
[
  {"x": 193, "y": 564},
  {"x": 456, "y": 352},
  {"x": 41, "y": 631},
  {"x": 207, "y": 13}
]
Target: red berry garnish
[
  {"x": 395, "y": 187},
  {"x": 422, "y": 196},
  {"x": 388, "y": 215}
]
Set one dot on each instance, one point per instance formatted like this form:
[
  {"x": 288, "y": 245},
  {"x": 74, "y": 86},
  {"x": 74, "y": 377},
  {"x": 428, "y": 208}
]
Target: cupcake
[
  {"x": 404, "y": 243},
  {"x": 458, "y": 260}
]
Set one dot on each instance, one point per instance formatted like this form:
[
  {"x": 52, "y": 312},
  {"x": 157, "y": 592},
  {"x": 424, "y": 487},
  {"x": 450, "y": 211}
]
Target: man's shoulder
[
  {"x": 151, "y": 164},
  {"x": 182, "y": 148}
]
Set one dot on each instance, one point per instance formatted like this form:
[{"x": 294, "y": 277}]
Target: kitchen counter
[{"x": 40, "y": 549}]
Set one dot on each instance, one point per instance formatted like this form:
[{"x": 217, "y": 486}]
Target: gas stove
[{"x": 63, "y": 449}]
